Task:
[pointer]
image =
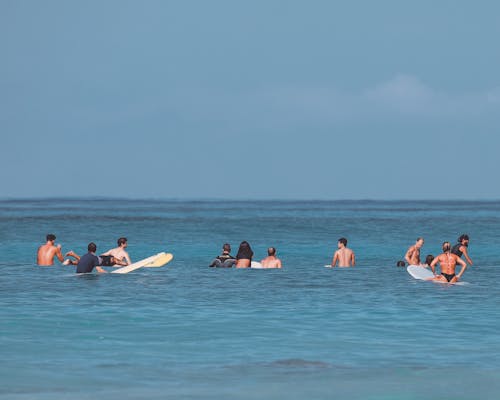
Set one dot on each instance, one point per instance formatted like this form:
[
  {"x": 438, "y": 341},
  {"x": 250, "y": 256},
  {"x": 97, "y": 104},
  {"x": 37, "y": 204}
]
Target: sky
[{"x": 250, "y": 99}]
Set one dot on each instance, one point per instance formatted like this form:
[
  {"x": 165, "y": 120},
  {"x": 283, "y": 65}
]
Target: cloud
[{"x": 404, "y": 97}]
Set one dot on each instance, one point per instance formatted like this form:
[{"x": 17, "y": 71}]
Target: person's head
[
  {"x": 226, "y": 248},
  {"x": 244, "y": 251},
  {"x": 271, "y": 251},
  {"x": 51, "y": 237},
  {"x": 400, "y": 263},
  {"x": 446, "y": 247},
  {"x": 464, "y": 239},
  {"x": 429, "y": 259},
  {"x": 419, "y": 243},
  {"x": 92, "y": 248},
  {"x": 122, "y": 242},
  {"x": 342, "y": 242}
]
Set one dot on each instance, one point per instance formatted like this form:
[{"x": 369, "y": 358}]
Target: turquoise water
[{"x": 187, "y": 331}]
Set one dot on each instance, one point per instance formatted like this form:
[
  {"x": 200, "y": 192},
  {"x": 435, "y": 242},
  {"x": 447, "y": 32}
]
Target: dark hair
[
  {"x": 245, "y": 251},
  {"x": 446, "y": 246},
  {"x": 121, "y": 241},
  {"x": 400, "y": 263},
  {"x": 226, "y": 247},
  {"x": 463, "y": 237},
  {"x": 420, "y": 238},
  {"x": 429, "y": 259},
  {"x": 92, "y": 247},
  {"x": 271, "y": 251},
  {"x": 343, "y": 241},
  {"x": 51, "y": 236}
]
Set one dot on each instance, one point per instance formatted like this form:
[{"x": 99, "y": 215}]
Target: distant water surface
[{"x": 187, "y": 331}]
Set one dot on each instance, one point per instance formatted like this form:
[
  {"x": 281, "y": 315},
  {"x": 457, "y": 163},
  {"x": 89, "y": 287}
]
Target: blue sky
[{"x": 254, "y": 99}]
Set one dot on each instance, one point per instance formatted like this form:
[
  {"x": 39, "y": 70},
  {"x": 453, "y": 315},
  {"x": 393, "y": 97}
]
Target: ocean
[{"x": 187, "y": 331}]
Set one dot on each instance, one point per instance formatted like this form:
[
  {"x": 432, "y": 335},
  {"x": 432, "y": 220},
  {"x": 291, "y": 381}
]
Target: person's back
[
  {"x": 89, "y": 261},
  {"x": 47, "y": 252},
  {"x": 244, "y": 256},
  {"x": 343, "y": 256},
  {"x": 225, "y": 260},
  {"x": 271, "y": 261}
]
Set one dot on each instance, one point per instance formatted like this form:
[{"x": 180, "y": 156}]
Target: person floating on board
[
  {"x": 461, "y": 248},
  {"x": 412, "y": 256},
  {"x": 271, "y": 261},
  {"x": 447, "y": 262},
  {"x": 244, "y": 256},
  {"x": 344, "y": 256},
  {"x": 225, "y": 260},
  {"x": 117, "y": 256},
  {"x": 48, "y": 251},
  {"x": 89, "y": 261}
]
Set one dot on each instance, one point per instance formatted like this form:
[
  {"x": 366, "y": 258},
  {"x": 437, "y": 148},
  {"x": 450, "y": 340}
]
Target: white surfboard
[
  {"x": 160, "y": 261},
  {"x": 256, "y": 265},
  {"x": 137, "y": 265},
  {"x": 425, "y": 274},
  {"x": 419, "y": 272}
]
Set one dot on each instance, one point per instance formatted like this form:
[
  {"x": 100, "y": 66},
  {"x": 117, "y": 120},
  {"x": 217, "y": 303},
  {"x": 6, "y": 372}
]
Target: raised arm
[
  {"x": 59, "y": 254},
  {"x": 466, "y": 255}
]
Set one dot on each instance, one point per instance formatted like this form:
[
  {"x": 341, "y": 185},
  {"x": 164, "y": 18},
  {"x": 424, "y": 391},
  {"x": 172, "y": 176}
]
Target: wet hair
[
  {"x": 226, "y": 247},
  {"x": 121, "y": 241},
  {"x": 463, "y": 237},
  {"x": 419, "y": 239},
  {"x": 271, "y": 251},
  {"x": 92, "y": 247},
  {"x": 343, "y": 241},
  {"x": 51, "y": 236},
  {"x": 446, "y": 246},
  {"x": 400, "y": 263},
  {"x": 429, "y": 259},
  {"x": 244, "y": 251}
]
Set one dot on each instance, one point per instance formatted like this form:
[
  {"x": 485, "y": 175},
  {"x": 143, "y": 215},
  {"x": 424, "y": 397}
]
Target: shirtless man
[
  {"x": 461, "y": 248},
  {"x": 448, "y": 262},
  {"x": 344, "y": 256},
  {"x": 47, "y": 252},
  {"x": 271, "y": 261},
  {"x": 119, "y": 256},
  {"x": 412, "y": 256}
]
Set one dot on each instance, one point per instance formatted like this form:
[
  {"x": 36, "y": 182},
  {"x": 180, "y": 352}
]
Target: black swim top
[{"x": 456, "y": 250}]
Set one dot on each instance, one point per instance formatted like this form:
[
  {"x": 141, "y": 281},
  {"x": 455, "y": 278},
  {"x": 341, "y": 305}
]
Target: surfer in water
[
  {"x": 89, "y": 261},
  {"x": 244, "y": 256},
  {"x": 271, "y": 261},
  {"x": 225, "y": 260},
  {"x": 117, "y": 256},
  {"x": 48, "y": 251},
  {"x": 344, "y": 256},
  {"x": 412, "y": 256},
  {"x": 461, "y": 248},
  {"x": 447, "y": 262}
]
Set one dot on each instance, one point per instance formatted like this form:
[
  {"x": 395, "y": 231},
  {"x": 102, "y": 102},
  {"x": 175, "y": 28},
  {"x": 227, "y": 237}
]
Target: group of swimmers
[
  {"x": 116, "y": 257},
  {"x": 343, "y": 257},
  {"x": 447, "y": 260}
]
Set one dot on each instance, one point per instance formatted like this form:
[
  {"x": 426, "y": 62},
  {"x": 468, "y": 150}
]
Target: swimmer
[
  {"x": 244, "y": 256},
  {"x": 271, "y": 261},
  {"x": 87, "y": 262},
  {"x": 447, "y": 262},
  {"x": 344, "y": 256},
  {"x": 225, "y": 260},
  {"x": 117, "y": 256},
  {"x": 461, "y": 248},
  {"x": 400, "y": 263},
  {"x": 412, "y": 256},
  {"x": 47, "y": 252},
  {"x": 428, "y": 260}
]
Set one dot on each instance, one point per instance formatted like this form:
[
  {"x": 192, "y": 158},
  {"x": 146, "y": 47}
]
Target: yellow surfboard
[{"x": 161, "y": 260}]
